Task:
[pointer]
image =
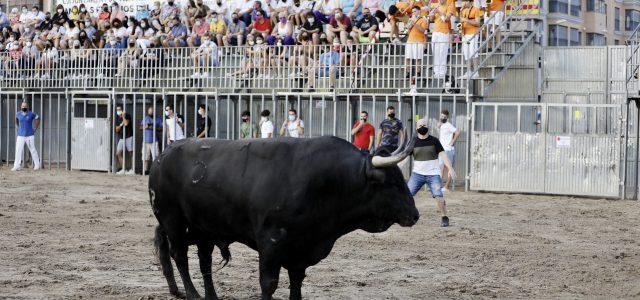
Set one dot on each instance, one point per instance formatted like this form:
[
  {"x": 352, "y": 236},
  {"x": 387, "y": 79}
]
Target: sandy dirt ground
[{"x": 89, "y": 235}]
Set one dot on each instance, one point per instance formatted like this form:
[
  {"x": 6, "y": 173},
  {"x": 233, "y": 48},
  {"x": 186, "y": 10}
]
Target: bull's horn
[{"x": 380, "y": 162}]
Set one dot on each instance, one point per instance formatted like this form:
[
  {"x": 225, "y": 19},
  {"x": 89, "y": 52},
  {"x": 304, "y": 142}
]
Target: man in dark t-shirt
[
  {"x": 203, "y": 127},
  {"x": 426, "y": 167},
  {"x": 124, "y": 131},
  {"x": 390, "y": 134}
]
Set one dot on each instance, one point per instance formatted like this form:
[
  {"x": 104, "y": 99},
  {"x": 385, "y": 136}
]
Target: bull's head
[{"x": 389, "y": 192}]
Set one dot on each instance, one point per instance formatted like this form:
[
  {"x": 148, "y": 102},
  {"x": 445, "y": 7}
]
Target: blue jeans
[
  {"x": 434, "y": 182},
  {"x": 451, "y": 154}
]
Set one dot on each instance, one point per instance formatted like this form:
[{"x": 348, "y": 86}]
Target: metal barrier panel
[
  {"x": 572, "y": 149},
  {"x": 90, "y": 135}
]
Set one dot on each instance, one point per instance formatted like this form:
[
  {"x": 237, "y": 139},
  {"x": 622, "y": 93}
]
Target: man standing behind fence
[
  {"x": 449, "y": 134},
  {"x": 363, "y": 133},
  {"x": 390, "y": 131},
  {"x": 150, "y": 148},
  {"x": 293, "y": 126},
  {"x": 426, "y": 170},
  {"x": 173, "y": 125},
  {"x": 248, "y": 130},
  {"x": 124, "y": 130},
  {"x": 266, "y": 126},
  {"x": 26, "y": 131},
  {"x": 204, "y": 122}
]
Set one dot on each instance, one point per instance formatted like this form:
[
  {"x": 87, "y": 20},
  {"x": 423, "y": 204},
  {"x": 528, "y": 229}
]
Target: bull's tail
[
  {"x": 224, "y": 252},
  {"x": 161, "y": 244}
]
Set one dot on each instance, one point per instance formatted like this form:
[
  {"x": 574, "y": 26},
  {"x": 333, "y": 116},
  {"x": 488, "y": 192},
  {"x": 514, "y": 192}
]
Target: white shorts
[
  {"x": 469, "y": 46},
  {"x": 150, "y": 151},
  {"x": 414, "y": 50},
  {"x": 499, "y": 16},
  {"x": 128, "y": 143}
]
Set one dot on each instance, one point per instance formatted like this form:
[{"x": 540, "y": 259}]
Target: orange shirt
[
  {"x": 404, "y": 8},
  {"x": 443, "y": 26},
  {"x": 416, "y": 35},
  {"x": 470, "y": 13},
  {"x": 495, "y": 5}
]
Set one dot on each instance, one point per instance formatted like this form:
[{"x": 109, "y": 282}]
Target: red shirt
[
  {"x": 265, "y": 26},
  {"x": 363, "y": 137}
]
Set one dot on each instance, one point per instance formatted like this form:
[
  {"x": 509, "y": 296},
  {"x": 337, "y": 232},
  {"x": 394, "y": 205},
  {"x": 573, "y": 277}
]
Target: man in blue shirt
[
  {"x": 25, "y": 135},
  {"x": 177, "y": 36},
  {"x": 329, "y": 64},
  {"x": 150, "y": 148}
]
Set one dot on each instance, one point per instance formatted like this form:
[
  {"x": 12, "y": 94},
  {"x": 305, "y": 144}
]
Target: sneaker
[
  {"x": 36, "y": 168},
  {"x": 445, "y": 221},
  {"x": 130, "y": 172},
  {"x": 195, "y": 75},
  {"x": 120, "y": 172},
  {"x": 14, "y": 169}
]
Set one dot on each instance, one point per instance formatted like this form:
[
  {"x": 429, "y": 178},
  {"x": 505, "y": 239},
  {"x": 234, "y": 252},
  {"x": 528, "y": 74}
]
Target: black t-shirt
[
  {"x": 201, "y": 125},
  {"x": 309, "y": 27},
  {"x": 427, "y": 149},
  {"x": 126, "y": 130},
  {"x": 364, "y": 25}
]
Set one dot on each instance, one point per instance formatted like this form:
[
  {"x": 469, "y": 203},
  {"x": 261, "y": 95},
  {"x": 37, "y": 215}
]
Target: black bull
[{"x": 289, "y": 199}]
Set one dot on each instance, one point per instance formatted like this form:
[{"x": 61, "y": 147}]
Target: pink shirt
[
  {"x": 372, "y": 5},
  {"x": 201, "y": 29}
]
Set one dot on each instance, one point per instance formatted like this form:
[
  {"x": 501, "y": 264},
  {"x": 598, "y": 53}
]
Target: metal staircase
[{"x": 497, "y": 53}]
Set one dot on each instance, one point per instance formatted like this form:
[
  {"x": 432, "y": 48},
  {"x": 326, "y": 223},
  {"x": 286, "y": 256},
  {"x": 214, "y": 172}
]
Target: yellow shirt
[
  {"x": 416, "y": 35},
  {"x": 218, "y": 27},
  {"x": 443, "y": 26},
  {"x": 470, "y": 13},
  {"x": 495, "y": 5}
]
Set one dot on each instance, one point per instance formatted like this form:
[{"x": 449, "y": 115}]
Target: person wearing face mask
[
  {"x": 116, "y": 13},
  {"x": 277, "y": 7},
  {"x": 5, "y": 21},
  {"x": 30, "y": 55},
  {"x": 74, "y": 15},
  {"x": 235, "y": 31},
  {"x": 366, "y": 28},
  {"x": 218, "y": 28},
  {"x": 449, "y": 135},
  {"x": 427, "y": 151},
  {"x": 177, "y": 35},
  {"x": 169, "y": 12},
  {"x": 261, "y": 26},
  {"x": 200, "y": 28},
  {"x": 173, "y": 126},
  {"x": 204, "y": 57},
  {"x": 152, "y": 126},
  {"x": 391, "y": 132},
  {"x": 248, "y": 129},
  {"x": 339, "y": 27},
  {"x": 283, "y": 30},
  {"x": 25, "y": 119},
  {"x": 312, "y": 27},
  {"x": 293, "y": 126},
  {"x": 325, "y": 9},
  {"x": 440, "y": 40},
  {"x": 363, "y": 134},
  {"x": 266, "y": 126},
  {"x": 203, "y": 122},
  {"x": 124, "y": 132},
  {"x": 35, "y": 17},
  {"x": 329, "y": 66}
]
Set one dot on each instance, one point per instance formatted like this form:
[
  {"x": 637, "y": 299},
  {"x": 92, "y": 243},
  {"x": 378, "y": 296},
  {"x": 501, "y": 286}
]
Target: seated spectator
[
  {"x": 262, "y": 25},
  {"x": 169, "y": 13},
  {"x": 283, "y": 30},
  {"x": 236, "y": 31},
  {"x": 48, "y": 60},
  {"x": 143, "y": 13},
  {"x": 34, "y": 18},
  {"x": 313, "y": 28},
  {"x": 277, "y": 7},
  {"x": 75, "y": 14},
  {"x": 116, "y": 13},
  {"x": 30, "y": 57},
  {"x": 204, "y": 57},
  {"x": 373, "y": 6},
  {"x": 200, "y": 29},
  {"x": 128, "y": 60},
  {"x": 366, "y": 28},
  {"x": 202, "y": 10},
  {"x": 339, "y": 27},
  {"x": 104, "y": 17},
  {"x": 279, "y": 57},
  {"x": 4, "y": 20},
  {"x": 221, "y": 10},
  {"x": 218, "y": 28},
  {"x": 329, "y": 63},
  {"x": 324, "y": 9},
  {"x": 71, "y": 33},
  {"x": 156, "y": 11},
  {"x": 177, "y": 35},
  {"x": 300, "y": 11},
  {"x": 250, "y": 14},
  {"x": 14, "y": 17},
  {"x": 148, "y": 35}
]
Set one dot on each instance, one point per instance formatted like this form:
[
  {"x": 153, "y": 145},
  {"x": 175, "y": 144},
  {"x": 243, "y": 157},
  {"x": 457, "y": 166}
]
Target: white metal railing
[{"x": 362, "y": 67}]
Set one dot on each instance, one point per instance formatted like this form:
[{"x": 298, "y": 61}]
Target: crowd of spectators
[{"x": 32, "y": 38}]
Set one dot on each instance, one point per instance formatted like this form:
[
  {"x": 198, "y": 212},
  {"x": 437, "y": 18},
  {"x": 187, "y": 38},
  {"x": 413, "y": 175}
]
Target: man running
[{"x": 426, "y": 168}]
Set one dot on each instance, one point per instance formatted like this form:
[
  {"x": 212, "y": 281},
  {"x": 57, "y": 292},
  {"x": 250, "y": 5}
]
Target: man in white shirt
[
  {"x": 266, "y": 126},
  {"x": 173, "y": 132},
  {"x": 449, "y": 134},
  {"x": 293, "y": 126}
]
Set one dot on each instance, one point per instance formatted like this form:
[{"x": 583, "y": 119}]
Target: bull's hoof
[{"x": 178, "y": 294}]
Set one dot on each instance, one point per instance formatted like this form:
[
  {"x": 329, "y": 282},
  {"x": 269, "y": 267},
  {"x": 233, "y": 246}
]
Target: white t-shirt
[
  {"x": 266, "y": 128},
  {"x": 171, "y": 126},
  {"x": 446, "y": 135},
  {"x": 292, "y": 128}
]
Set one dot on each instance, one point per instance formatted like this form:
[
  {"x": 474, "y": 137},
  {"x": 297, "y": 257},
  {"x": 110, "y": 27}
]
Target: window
[
  {"x": 616, "y": 42},
  {"x": 597, "y": 6},
  {"x": 632, "y": 19},
  {"x": 575, "y": 37},
  {"x": 558, "y": 35},
  {"x": 616, "y": 22},
  {"x": 576, "y": 7},
  {"x": 559, "y": 6},
  {"x": 596, "y": 39}
]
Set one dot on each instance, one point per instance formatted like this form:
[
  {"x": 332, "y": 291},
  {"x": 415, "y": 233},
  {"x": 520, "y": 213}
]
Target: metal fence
[
  {"x": 355, "y": 67},
  {"x": 85, "y": 138},
  {"x": 571, "y": 149}
]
